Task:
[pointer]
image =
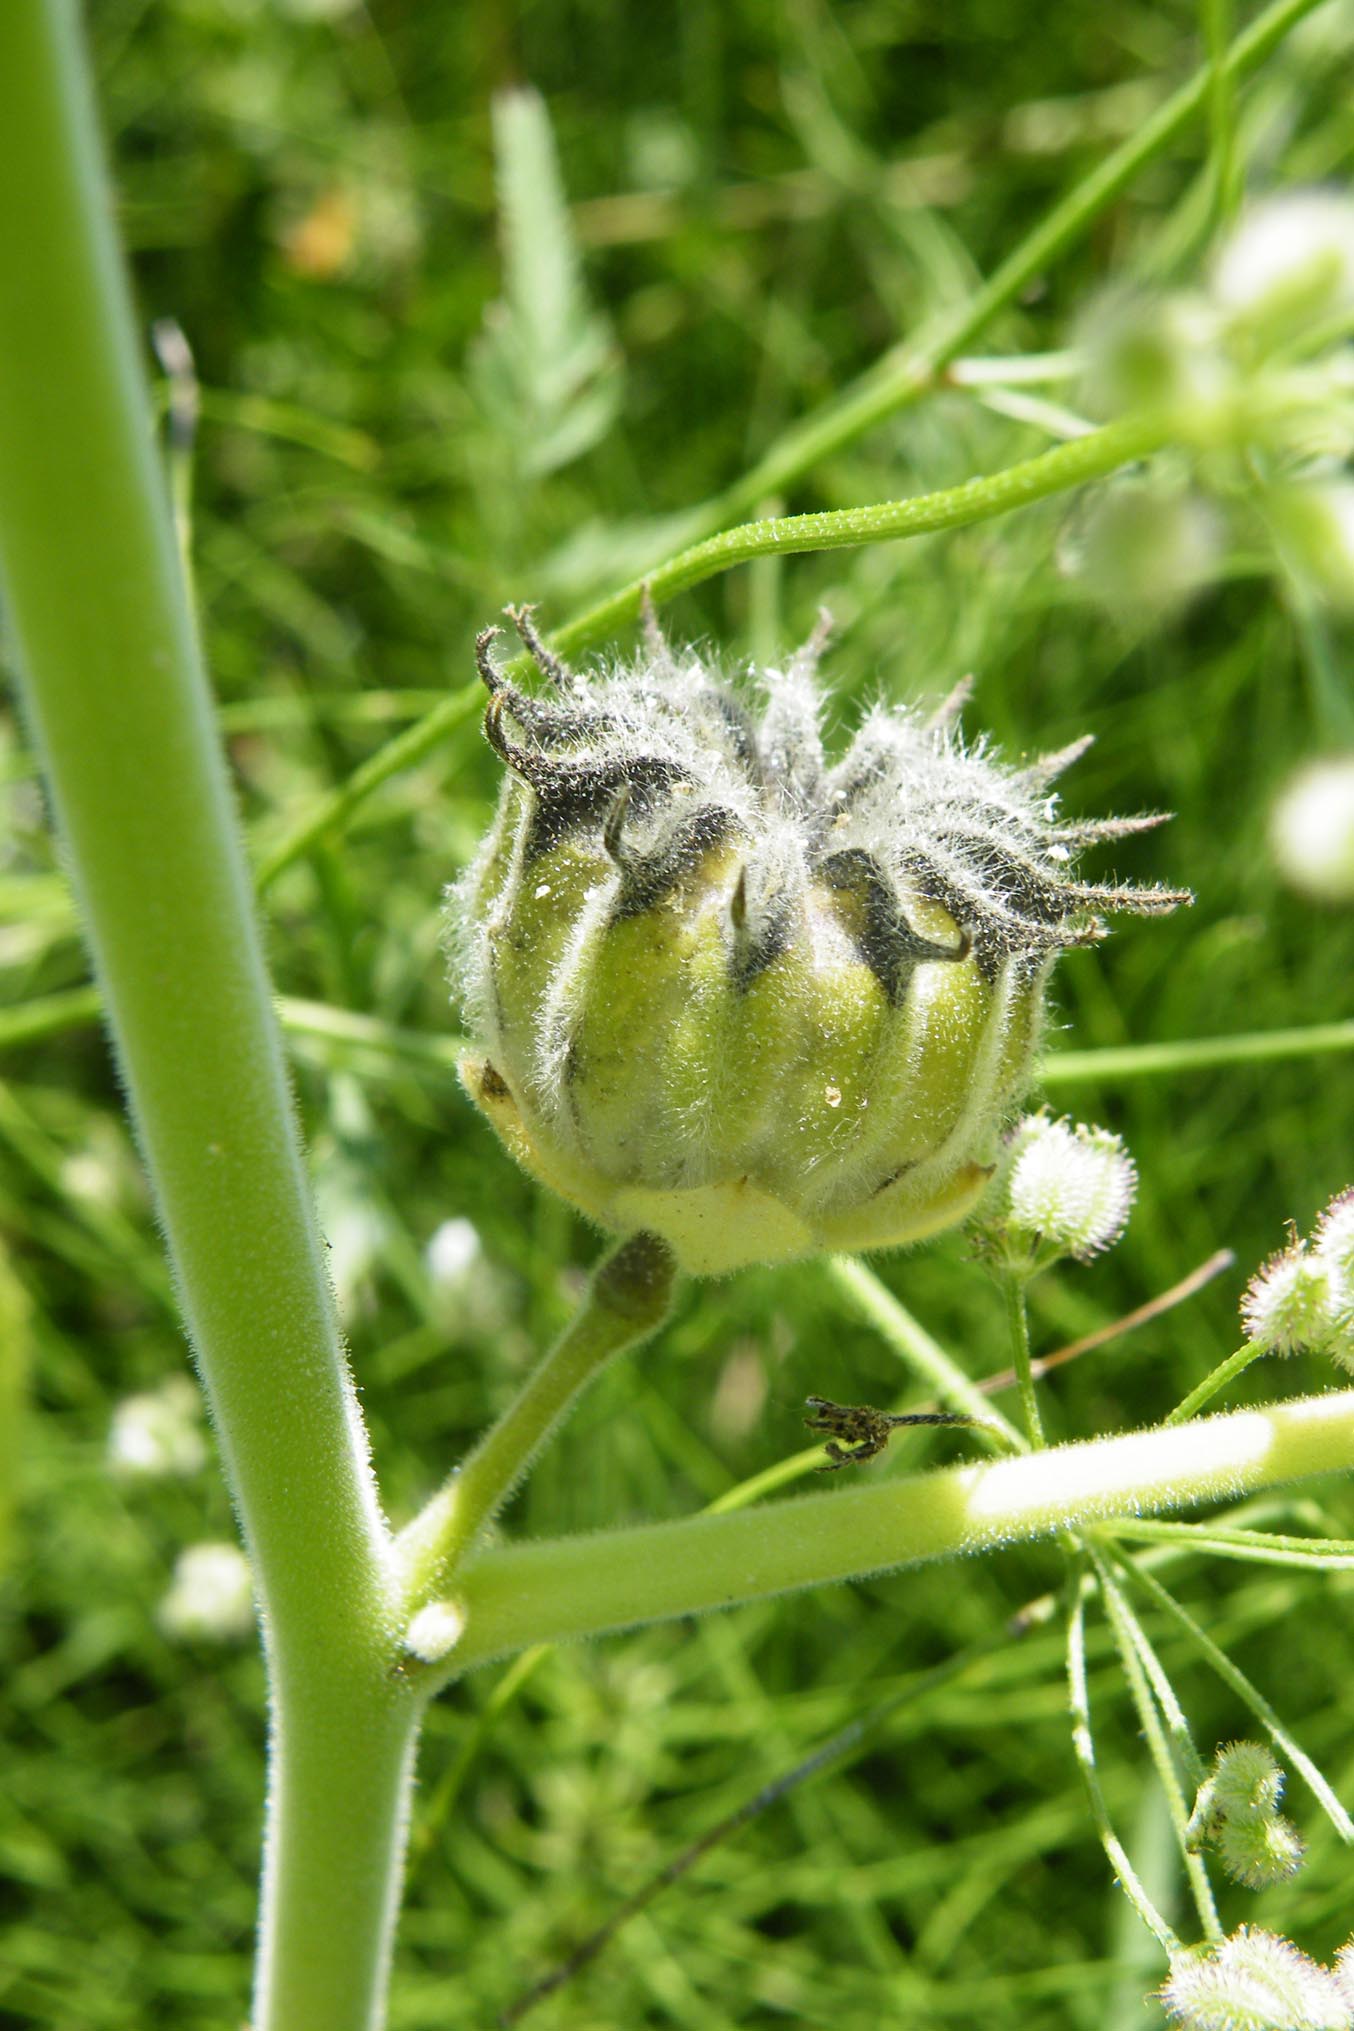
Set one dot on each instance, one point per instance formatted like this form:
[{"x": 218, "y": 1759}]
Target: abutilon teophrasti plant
[{"x": 751, "y": 1000}]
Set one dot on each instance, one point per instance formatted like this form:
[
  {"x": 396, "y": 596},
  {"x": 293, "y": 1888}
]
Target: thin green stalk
[
  {"x": 627, "y": 1300},
  {"x": 1256, "y": 1547},
  {"x": 119, "y": 705},
  {"x": 1087, "y": 458},
  {"x": 1249, "y": 1694},
  {"x": 1218, "y": 1379},
  {"x": 581, "y": 1586},
  {"x": 1154, "y": 1698},
  {"x": 1193, "y": 1054},
  {"x": 1129, "y": 1629},
  {"x": 1083, "y": 1744},
  {"x": 1018, "y": 1320}
]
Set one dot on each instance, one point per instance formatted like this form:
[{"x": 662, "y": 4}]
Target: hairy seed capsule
[{"x": 755, "y": 1002}]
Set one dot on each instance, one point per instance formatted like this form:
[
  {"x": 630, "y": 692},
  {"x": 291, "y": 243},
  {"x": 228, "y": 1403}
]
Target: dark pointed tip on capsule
[
  {"x": 547, "y": 662},
  {"x": 484, "y": 663},
  {"x": 738, "y": 901}
]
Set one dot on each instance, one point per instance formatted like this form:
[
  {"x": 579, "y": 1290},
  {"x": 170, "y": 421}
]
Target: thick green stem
[
  {"x": 581, "y": 1586},
  {"x": 340, "y": 1777},
  {"x": 120, "y": 707},
  {"x": 627, "y": 1300}
]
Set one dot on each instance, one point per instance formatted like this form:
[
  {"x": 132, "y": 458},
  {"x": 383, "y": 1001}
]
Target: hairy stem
[
  {"x": 580, "y": 1586},
  {"x": 627, "y": 1300},
  {"x": 1217, "y": 1379},
  {"x": 118, "y": 701}
]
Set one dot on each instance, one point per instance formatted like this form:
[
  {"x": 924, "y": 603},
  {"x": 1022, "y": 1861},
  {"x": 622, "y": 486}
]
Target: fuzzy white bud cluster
[
  {"x": 1254, "y": 1981},
  {"x": 1066, "y": 1190},
  {"x": 742, "y": 996},
  {"x": 1302, "y": 1299},
  {"x": 1070, "y": 1187}
]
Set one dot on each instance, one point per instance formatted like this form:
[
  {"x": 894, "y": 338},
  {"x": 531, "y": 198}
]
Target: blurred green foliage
[{"x": 404, "y": 424}]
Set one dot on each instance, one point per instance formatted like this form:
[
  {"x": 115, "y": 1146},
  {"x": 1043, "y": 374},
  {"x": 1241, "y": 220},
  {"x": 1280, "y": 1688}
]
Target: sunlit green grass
[{"x": 760, "y": 214}]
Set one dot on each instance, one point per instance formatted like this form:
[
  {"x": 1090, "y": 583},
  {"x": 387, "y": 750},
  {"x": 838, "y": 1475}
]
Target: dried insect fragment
[{"x": 859, "y": 1431}]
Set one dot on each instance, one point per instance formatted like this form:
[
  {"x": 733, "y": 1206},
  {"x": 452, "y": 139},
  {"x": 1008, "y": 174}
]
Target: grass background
[{"x": 765, "y": 197}]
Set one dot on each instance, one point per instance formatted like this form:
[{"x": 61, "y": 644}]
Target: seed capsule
[{"x": 756, "y": 1002}]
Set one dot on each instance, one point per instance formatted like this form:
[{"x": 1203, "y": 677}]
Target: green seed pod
[{"x": 759, "y": 1004}]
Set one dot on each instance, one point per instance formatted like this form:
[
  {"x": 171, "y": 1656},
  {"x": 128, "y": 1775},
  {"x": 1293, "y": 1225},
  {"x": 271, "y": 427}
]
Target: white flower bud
[
  {"x": 1254, "y": 1981},
  {"x": 1289, "y": 263},
  {"x": 1312, "y": 830},
  {"x": 469, "y": 1295},
  {"x": 159, "y": 1433},
  {"x": 1290, "y": 1304},
  {"x": 1069, "y": 1188},
  {"x": 212, "y": 1595},
  {"x": 1344, "y": 1974},
  {"x": 1146, "y": 351}
]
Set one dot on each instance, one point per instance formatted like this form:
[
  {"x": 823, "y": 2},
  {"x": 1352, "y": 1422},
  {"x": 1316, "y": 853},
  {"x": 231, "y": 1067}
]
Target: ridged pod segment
[{"x": 755, "y": 1002}]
